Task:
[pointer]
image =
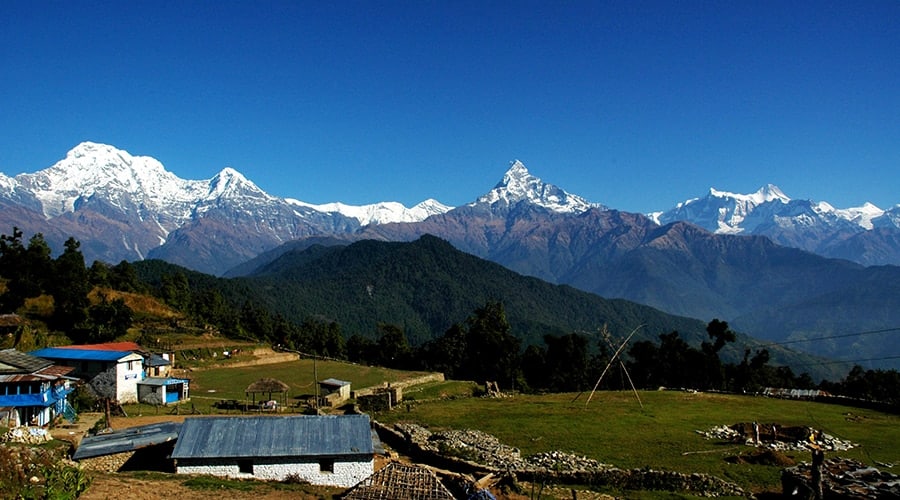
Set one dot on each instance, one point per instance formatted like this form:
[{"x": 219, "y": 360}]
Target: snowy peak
[
  {"x": 726, "y": 212},
  {"x": 767, "y": 193},
  {"x": 229, "y": 183},
  {"x": 98, "y": 169},
  {"x": 381, "y": 213},
  {"x": 519, "y": 185}
]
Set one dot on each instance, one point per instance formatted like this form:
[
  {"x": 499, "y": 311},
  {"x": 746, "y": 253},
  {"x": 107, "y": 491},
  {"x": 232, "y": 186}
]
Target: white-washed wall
[
  {"x": 127, "y": 380},
  {"x": 346, "y": 474}
]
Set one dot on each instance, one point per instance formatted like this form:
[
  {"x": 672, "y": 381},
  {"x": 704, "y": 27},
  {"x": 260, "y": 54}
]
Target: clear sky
[{"x": 637, "y": 105}]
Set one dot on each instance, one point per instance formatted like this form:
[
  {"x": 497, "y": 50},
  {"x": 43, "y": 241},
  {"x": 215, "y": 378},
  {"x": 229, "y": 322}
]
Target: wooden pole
[{"x": 616, "y": 355}]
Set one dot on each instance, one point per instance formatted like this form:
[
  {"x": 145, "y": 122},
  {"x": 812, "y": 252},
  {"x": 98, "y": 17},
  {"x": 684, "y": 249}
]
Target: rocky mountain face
[{"x": 767, "y": 290}]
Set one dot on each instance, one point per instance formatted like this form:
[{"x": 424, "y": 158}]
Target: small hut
[
  {"x": 400, "y": 482},
  {"x": 267, "y": 390}
]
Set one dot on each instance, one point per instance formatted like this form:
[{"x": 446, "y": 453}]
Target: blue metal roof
[
  {"x": 160, "y": 381},
  {"x": 128, "y": 439},
  {"x": 157, "y": 360},
  {"x": 278, "y": 436},
  {"x": 80, "y": 354}
]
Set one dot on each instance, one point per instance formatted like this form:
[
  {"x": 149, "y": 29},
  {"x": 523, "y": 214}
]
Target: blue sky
[{"x": 637, "y": 105}]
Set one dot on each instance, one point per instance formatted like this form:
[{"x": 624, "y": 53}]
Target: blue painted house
[
  {"x": 120, "y": 370},
  {"x": 33, "y": 390}
]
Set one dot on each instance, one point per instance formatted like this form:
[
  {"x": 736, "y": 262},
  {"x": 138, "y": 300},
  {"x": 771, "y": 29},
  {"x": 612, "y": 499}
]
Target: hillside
[{"x": 427, "y": 285}]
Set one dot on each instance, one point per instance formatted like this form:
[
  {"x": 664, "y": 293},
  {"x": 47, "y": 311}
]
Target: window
[
  {"x": 326, "y": 465},
  {"x": 245, "y": 466}
]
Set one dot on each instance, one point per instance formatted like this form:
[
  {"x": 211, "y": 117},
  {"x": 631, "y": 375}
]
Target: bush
[{"x": 40, "y": 473}]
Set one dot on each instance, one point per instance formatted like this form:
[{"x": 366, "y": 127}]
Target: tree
[
  {"x": 567, "y": 363},
  {"x": 533, "y": 367},
  {"x": 393, "y": 347},
  {"x": 123, "y": 277},
  {"x": 492, "y": 352},
  {"x": 175, "y": 290},
  {"x": 70, "y": 288},
  {"x": 26, "y": 269},
  {"x": 255, "y": 321},
  {"x": 109, "y": 320},
  {"x": 719, "y": 332},
  {"x": 323, "y": 337},
  {"x": 360, "y": 349},
  {"x": 446, "y": 353}
]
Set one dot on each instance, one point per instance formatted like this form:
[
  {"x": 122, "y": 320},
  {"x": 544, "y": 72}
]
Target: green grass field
[
  {"x": 614, "y": 429},
  {"x": 225, "y": 383}
]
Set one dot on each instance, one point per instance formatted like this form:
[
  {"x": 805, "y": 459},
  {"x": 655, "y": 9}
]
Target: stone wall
[
  {"x": 106, "y": 463},
  {"x": 431, "y": 377},
  {"x": 345, "y": 473}
]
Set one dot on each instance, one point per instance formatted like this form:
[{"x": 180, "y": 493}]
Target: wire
[
  {"x": 828, "y": 337},
  {"x": 840, "y": 361}
]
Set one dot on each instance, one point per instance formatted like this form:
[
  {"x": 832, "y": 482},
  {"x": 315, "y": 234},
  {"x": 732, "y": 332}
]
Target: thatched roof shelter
[
  {"x": 400, "y": 481},
  {"x": 268, "y": 386}
]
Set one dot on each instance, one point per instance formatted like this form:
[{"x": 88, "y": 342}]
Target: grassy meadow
[
  {"x": 614, "y": 429},
  {"x": 658, "y": 432},
  {"x": 226, "y": 382}
]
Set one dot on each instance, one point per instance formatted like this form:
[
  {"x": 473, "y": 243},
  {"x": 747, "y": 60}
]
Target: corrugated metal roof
[
  {"x": 334, "y": 382},
  {"x": 281, "y": 436},
  {"x": 80, "y": 354},
  {"x": 13, "y": 361},
  {"x": 157, "y": 360},
  {"x": 160, "y": 381},
  {"x": 128, "y": 439}
]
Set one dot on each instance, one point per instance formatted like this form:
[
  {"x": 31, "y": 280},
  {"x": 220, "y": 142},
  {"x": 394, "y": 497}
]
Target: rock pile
[
  {"x": 564, "y": 462},
  {"x": 482, "y": 449},
  {"x": 779, "y": 438},
  {"x": 26, "y": 435},
  {"x": 842, "y": 478}
]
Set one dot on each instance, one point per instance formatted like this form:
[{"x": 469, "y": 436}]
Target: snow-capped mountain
[
  {"x": 721, "y": 211},
  {"x": 519, "y": 185},
  {"x": 731, "y": 213},
  {"x": 125, "y": 207},
  {"x": 817, "y": 227},
  {"x": 380, "y": 213}
]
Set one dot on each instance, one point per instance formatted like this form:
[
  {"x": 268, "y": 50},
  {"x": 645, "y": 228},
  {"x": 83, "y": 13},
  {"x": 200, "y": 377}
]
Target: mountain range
[{"x": 758, "y": 261}]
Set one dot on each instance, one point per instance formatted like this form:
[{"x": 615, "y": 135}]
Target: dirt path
[{"x": 117, "y": 485}]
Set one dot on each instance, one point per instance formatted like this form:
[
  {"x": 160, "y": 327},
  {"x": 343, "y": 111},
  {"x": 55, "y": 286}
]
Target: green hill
[{"x": 427, "y": 285}]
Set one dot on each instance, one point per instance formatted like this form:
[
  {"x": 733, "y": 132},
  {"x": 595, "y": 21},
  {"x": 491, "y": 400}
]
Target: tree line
[
  {"x": 30, "y": 271},
  {"x": 481, "y": 347}
]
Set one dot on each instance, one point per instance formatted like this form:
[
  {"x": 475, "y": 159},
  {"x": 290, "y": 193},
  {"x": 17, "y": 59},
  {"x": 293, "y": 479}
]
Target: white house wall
[
  {"x": 128, "y": 378},
  {"x": 345, "y": 475}
]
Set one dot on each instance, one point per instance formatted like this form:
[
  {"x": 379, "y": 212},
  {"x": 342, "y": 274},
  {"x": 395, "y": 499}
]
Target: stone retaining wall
[
  {"x": 403, "y": 384},
  {"x": 106, "y": 463}
]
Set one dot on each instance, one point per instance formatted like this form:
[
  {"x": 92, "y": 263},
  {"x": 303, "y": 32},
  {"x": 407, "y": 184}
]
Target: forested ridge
[{"x": 420, "y": 305}]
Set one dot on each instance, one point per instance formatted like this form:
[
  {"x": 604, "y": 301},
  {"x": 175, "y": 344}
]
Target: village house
[
  {"x": 330, "y": 450},
  {"x": 334, "y": 391},
  {"x": 33, "y": 390},
  {"x": 121, "y": 371}
]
